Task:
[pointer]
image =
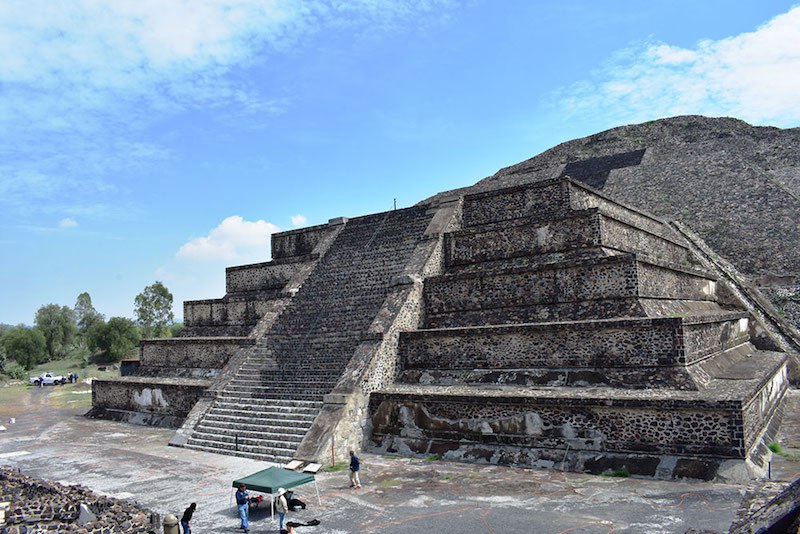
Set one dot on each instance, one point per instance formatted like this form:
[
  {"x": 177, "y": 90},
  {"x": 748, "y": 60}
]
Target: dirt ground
[{"x": 50, "y": 439}]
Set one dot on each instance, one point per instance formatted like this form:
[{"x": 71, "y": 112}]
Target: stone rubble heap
[{"x": 40, "y": 506}]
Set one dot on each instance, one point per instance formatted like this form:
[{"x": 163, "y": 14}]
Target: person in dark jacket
[
  {"x": 355, "y": 467},
  {"x": 187, "y": 517}
]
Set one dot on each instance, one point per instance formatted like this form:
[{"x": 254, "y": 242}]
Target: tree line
[{"x": 61, "y": 332}]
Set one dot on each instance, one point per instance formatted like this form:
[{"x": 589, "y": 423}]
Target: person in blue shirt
[
  {"x": 243, "y": 503},
  {"x": 355, "y": 467}
]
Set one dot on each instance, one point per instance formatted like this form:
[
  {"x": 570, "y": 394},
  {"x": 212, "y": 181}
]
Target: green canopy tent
[{"x": 271, "y": 479}]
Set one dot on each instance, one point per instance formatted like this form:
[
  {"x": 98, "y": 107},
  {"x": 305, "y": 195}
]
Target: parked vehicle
[{"x": 48, "y": 379}]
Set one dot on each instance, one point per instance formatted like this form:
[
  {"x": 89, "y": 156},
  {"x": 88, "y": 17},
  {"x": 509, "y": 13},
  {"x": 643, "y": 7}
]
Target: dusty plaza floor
[{"x": 399, "y": 496}]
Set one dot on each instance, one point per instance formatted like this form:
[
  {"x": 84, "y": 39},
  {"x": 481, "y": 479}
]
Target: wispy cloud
[
  {"x": 197, "y": 271},
  {"x": 754, "y": 76},
  {"x": 299, "y": 220},
  {"x": 67, "y": 223},
  {"x": 234, "y": 239},
  {"x": 80, "y": 81}
]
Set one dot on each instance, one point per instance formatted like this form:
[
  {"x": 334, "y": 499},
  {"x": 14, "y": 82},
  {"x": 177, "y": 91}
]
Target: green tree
[
  {"x": 87, "y": 318},
  {"x": 176, "y": 329},
  {"x": 115, "y": 338},
  {"x": 58, "y": 325},
  {"x": 27, "y": 346},
  {"x": 154, "y": 310},
  {"x": 85, "y": 314}
]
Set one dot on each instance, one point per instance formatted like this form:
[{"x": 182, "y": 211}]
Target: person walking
[
  {"x": 281, "y": 506},
  {"x": 355, "y": 467},
  {"x": 187, "y": 517},
  {"x": 243, "y": 503}
]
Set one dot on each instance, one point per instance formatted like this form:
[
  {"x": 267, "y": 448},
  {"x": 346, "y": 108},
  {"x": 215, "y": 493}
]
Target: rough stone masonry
[{"x": 537, "y": 318}]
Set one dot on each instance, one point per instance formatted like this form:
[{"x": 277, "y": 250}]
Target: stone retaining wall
[
  {"x": 544, "y": 200},
  {"x": 228, "y": 311},
  {"x": 592, "y": 289},
  {"x": 142, "y": 400},
  {"x": 299, "y": 242},
  {"x": 579, "y": 230},
  {"x": 41, "y": 506},
  {"x": 611, "y": 343},
  {"x": 206, "y": 353},
  {"x": 268, "y": 275}
]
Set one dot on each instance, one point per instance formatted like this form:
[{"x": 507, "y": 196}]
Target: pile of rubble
[{"x": 30, "y": 505}]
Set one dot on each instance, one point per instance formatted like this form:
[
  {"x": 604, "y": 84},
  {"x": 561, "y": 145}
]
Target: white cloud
[
  {"x": 67, "y": 223},
  {"x": 233, "y": 239},
  {"x": 81, "y": 81},
  {"x": 754, "y": 76},
  {"x": 299, "y": 220}
]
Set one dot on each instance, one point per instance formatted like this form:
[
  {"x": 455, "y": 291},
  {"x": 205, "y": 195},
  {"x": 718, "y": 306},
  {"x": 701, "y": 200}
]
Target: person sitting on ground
[{"x": 294, "y": 502}]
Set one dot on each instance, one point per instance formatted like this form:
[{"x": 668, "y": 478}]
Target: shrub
[{"x": 16, "y": 371}]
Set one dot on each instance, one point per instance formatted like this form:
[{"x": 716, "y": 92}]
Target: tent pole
[
  {"x": 271, "y": 508},
  {"x": 317, "y": 488}
]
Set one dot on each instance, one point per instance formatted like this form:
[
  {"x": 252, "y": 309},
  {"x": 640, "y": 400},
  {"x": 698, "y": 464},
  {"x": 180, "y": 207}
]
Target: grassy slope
[{"x": 74, "y": 395}]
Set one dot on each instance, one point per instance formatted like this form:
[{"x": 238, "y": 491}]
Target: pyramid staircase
[
  {"x": 267, "y": 407},
  {"x": 571, "y": 331},
  {"x": 172, "y": 374}
]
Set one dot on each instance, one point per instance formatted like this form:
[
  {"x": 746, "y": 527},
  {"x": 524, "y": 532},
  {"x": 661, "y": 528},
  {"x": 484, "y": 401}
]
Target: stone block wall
[
  {"x": 707, "y": 335},
  {"x": 143, "y": 401},
  {"x": 298, "y": 242},
  {"x": 544, "y": 200},
  {"x": 582, "y": 198},
  {"x": 438, "y": 424},
  {"x": 42, "y": 506},
  {"x": 522, "y": 238},
  {"x": 595, "y": 344},
  {"x": 343, "y": 423},
  {"x": 591, "y": 289},
  {"x": 268, "y": 275},
  {"x": 758, "y": 411},
  {"x": 232, "y": 311},
  {"x": 200, "y": 353}
]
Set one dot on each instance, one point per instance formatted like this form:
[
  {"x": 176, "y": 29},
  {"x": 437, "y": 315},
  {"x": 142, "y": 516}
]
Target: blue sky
[{"x": 148, "y": 140}]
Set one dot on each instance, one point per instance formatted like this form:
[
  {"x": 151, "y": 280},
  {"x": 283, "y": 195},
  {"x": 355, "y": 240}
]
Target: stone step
[
  {"x": 282, "y": 420},
  {"x": 292, "y": 375},
  {"x": 621, "y": 352},
  {"x": 596, "y": 289},
  {"x": 248, "y": 437},
  {"x": 295, "y": 378},
  {"x": 551, "y": 199},
  {"x": 230, "y": 440},
  {"x": 295, "y": 414},
  {"x": 298, "y": 405},
  {"x": 268, "y": 275},
  {"x": 255, "y": 453},
  {"x": 270, "y": 394},
  {"x": 720, "y": 420},
  {"x": 587, "y": 232}
]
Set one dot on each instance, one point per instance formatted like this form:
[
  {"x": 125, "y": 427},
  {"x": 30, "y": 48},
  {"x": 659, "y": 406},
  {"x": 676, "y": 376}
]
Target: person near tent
[
  {"x": 293, "y": 501},
  {"x": 243, "y": 503},
  {"x": 187, "y": 517},
  {"x": 355, "y": 467},
  {"x": 281, "y": 506}
]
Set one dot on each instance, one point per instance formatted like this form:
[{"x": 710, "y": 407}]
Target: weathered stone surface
[
  {"x": 41, "y": 506},
  {"x": 735, "y": 184},
  {"x": 546, "y": 323}
]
